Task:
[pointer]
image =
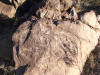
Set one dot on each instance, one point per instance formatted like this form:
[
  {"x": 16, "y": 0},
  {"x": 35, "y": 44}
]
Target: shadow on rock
[{"x": 21, "y": 70}]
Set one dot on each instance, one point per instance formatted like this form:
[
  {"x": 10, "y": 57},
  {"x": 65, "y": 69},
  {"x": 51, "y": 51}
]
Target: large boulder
[{"x": 49, "y": 47}]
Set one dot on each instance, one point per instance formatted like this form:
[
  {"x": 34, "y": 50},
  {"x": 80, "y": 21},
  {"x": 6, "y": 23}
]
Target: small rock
[
  {"x": 7, "y": 10},
  {"x": 90, "y": 19}
]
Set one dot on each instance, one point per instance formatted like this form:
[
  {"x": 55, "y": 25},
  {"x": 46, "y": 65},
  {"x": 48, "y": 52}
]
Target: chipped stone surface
[
  {"x": 53, "y": 8},
  {"x": 53, "y": 50},
  {"x": 49, "y": 45},
  {"x": 90, "y": 19}
]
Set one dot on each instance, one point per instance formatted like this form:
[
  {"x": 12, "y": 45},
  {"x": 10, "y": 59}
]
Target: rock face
[
  {"x": 48, "y": 47},
  {"x": 48, "y": 44},
  {"x": 90, "y": 20},
  {"x": 7, "y": 10},
  {"x": 53, "y": 8}
]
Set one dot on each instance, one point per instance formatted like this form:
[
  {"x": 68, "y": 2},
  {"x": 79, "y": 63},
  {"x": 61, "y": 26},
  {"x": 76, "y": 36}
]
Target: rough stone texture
[
  {"x": 91, "y": 21},
  {"x": 47, "y": 47},
  {"x": 7, "y": 10},
  {"x": 50, "y": 47},
  {"x": 53, "y": 8},
  {"x": 9, "y": 7}
]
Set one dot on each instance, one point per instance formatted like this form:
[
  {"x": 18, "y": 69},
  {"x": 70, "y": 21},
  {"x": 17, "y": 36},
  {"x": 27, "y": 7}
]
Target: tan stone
[
  {"x": 53, "y": 50},
  {"x": 90, "y": 19},
  {"x": 53, "y": 8},
  {"x": 7, "y": 10}
]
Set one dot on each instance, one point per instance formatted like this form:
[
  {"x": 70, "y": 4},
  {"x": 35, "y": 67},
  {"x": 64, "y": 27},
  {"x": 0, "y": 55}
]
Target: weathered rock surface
[
  {"x": 47, "y": 47},
  {"x": 91, "y": 21},
  {"x": 53, "y": 9},
  {"x": 7, "y": 10}
]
